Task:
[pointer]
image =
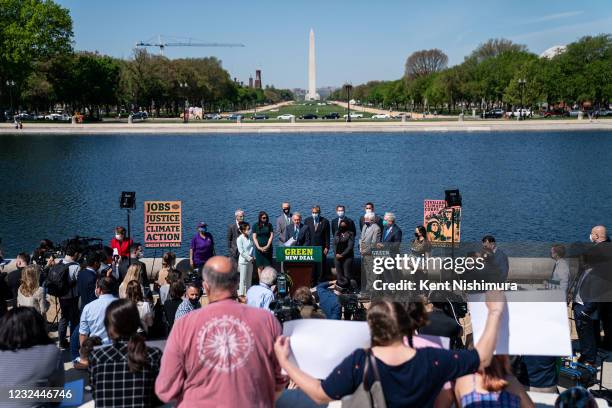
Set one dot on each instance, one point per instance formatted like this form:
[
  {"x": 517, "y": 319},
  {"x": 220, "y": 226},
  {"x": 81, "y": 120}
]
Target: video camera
[
  {"x": 352, "y": 306},
  {"x": 284, "y": 308}
]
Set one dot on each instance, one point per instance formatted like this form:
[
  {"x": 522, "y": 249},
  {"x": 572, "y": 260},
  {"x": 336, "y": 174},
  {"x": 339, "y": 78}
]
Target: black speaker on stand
[{"x": 127, "y": 201}]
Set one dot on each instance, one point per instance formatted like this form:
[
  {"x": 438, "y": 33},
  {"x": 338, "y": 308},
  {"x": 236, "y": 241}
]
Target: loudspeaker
[
  {"x": 453, "y": 198},
  {"x": 128, "y": 200}
]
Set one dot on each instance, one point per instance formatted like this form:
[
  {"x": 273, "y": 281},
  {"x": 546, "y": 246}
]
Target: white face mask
[
  {"x": 340, "y": 214},
  {"x": 368, "y": 211},
  {"x": 591, "y": 238},
  {"x": 118, "y": 237}
]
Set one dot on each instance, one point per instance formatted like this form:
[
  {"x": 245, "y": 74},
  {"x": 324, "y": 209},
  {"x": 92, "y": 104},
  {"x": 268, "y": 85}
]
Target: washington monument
[{"x": 312, "y": 94}]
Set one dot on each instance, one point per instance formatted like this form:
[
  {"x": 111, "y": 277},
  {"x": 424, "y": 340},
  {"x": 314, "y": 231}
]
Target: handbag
[{"x": 364, "y": 396}]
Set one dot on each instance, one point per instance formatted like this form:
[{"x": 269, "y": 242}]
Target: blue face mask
[
  {"x": 202, "y": 229},
  {"x": 385, "y": 223}
]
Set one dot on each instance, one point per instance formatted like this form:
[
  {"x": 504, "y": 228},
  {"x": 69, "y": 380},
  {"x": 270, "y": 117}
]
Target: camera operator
[
  {"x": 262, "y": 295},
  {"x": 61, "y": 283},
  {"x": 306, "y": 304}
]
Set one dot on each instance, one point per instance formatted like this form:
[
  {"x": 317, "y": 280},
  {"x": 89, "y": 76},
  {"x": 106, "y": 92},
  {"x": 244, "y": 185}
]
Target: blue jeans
[
  {"x": 296, "y": 399},
  {"x": 75, "y": 344}
]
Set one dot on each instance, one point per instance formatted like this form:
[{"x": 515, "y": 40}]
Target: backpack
[{"x": 58, "y": 279}]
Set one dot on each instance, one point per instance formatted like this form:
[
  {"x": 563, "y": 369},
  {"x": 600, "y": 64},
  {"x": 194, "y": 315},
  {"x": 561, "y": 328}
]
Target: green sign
[{"x": 298, "y": 254}]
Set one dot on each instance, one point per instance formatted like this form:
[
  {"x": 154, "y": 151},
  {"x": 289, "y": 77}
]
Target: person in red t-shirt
[
  {"x": 120, "y": 243},
  {"x": 221, "y": 355}
]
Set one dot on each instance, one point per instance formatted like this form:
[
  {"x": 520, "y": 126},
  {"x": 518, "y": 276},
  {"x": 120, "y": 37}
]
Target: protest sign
[
  {"x": 162, "y": 224},
  {"x": 527, "y": 328},
  {"x": 438, "y": 221},
  {"x": 319, "y": 345}
]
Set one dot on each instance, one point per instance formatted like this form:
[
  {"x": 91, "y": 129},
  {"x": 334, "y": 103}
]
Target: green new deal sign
[{"x": 298, "y": 254}]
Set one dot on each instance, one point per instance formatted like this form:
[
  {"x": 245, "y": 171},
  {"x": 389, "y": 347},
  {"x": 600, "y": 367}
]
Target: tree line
[
  {"x": 40, "y": 69},
  {"x": 498, "y": 73}
]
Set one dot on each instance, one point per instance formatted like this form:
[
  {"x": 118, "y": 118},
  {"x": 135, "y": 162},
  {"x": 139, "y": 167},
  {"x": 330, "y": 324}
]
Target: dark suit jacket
[
  {"x": 303, "y": 234},
  {"x": 501, "y": 262},
  {"x": 395, "y": 235},
  {"x": 378, "y": 220},
  {"x": 125, "y": 264},
  {"x": 351, "y": 226},
  {"x": 86, "y": 286},
  {"x": 232, "y": 235},
  {"x": 318, "y": 237}
]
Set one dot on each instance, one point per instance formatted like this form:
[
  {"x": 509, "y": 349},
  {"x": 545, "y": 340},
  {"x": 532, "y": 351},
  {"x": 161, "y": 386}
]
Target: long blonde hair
[
  {"x": 133, "y": 273},
  {"x": 30, "y": 276}
]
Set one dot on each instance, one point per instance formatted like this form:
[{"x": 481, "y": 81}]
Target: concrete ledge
[{"x": 302, "y": 127}]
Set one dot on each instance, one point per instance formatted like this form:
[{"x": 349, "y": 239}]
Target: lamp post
[
  {"x": 348, "y": 87},
  {"x": 522, "y": 82},
  {"x": 10, "y": 84},
  {"x": 184, "y": 85}
]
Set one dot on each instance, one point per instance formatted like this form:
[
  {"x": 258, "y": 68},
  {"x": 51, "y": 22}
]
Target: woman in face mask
[
  {"x": 120, "y": 244},
  {"x": 263, "y": 233},
  {"x": 344, "y": 243},
  {"x": 202, "y": 247},
  {"x": 245, "y": 258}
]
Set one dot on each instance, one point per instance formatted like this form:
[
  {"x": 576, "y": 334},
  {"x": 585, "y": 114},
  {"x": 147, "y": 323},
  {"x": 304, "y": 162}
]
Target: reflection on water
[{"x": 538, "y": 186}]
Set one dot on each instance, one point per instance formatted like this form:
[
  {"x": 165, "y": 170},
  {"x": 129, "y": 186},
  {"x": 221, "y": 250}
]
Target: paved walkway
[{"x": 308, "y": 127}]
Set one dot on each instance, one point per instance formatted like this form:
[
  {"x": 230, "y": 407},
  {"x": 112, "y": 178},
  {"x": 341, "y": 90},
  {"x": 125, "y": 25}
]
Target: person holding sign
[{"x": 409, "y": 377}]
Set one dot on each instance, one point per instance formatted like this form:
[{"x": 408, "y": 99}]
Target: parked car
[
  {"x": 260, "y": 116},
  {"x": 353, "y": 115},
  {"x": 526, "y": 113},
  {"x": 58, "y": 117},
  {"x": 235, "y": 116},
  {"x": 493, "y": 114},
  {"x": 605, "y": 112},
  {"x": 140, "y": 115},
  {"x": 332, "y": 115},
  {"x": 285, "y": 116},
  {"x": 24, "y": 116},
  {"x": 309, "y": 116},
  {"x": 381, "y": 116},
  {"x": 556, "y": 113},
  {"x": 212, "y": 116}
]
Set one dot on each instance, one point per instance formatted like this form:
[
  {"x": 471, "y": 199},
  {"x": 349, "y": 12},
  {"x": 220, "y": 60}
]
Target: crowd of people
[{"x": 224, "y": 346}]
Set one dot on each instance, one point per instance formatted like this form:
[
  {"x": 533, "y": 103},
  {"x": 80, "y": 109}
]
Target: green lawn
[{"x": 299, "y": 109}]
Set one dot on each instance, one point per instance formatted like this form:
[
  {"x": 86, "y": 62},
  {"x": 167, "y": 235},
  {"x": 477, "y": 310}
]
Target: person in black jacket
[
  {"x": 135, "y": 255},
  {"x": 175, "y": 298},
  {"x": 87, "y": 279},
  {"x": 341, "y": 215},
  {"x": 318, "y": 235},
  {"x": 344, "y": 242}
]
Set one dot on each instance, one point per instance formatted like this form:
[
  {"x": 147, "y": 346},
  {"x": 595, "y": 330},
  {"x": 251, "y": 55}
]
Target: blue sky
[{"x": 356, "y": 40}]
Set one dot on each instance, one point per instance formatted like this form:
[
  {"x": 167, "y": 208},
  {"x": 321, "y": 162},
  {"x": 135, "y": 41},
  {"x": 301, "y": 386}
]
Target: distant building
[
  {"x": 250, "y": 82},
  {"x": 312, "y": 94},
  {"x": 258, "y": 79}
]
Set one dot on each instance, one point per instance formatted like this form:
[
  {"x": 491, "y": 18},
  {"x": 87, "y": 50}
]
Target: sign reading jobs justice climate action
[{"x": 162, "y": 224}]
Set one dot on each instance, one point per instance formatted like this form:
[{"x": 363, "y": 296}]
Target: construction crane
[{"x": 189, "y": 43}]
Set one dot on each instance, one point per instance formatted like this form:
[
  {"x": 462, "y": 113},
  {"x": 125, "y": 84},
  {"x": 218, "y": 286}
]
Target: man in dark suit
[
  {"x": 390, "y": 231},
  {"x": 342, "y": 216},
  {"x": 282, "y": 222},
  {"x": 297, "y": 231},
  {"x": 586, "y": 316},
  {"x": 233, "y": 232},
  {"x": 318, "y": 235},
  {"x": 500, "y": 259},
  {"x": 135, "y": 255},
  {"x": 598, "y": 259},
  {"x": 369, "y": 208}
]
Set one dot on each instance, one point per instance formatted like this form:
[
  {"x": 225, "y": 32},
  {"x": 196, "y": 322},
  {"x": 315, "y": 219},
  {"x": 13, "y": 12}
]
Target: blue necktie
[{"x": 387, "y": 233}]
